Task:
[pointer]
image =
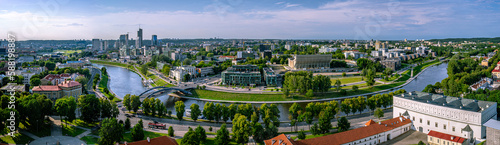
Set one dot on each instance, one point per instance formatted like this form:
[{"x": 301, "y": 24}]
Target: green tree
[
  {"x": 343, "y": 124},
  {"x": 355, "y": 88},
  {"x": 201, "y": 134},
  {"x": 35, "y": 82},
  {"x": 372, "y": 103},
  {"x": 225, "y": 113},
  {"x": 217, "y": 112},
  {"x": 127, "y": 124},
  {"x": 146, "y": 108},
  {"x": 137, "y": 132},
  {"x": 258, "y": 133},
  {"x": 66, "y": 107},
  {"x": 370, "y": 77},
  {"x": 343, "y": 74},
  {"x": 301, "y": 135},
  {"x": 337, "y": 85},
  {"x": 89, "y": 107},
  {"x": 232, "y": 111},
  {"x": 222, "y": 137},
  {"x": 421, "y": 143},
  {"x": 127, "y": 102},
  {"x": 309, "y": 93},
  {"x": 190, "y": 138},
  {"x": 241, "y": 128},
  {"x": 111, "y": 132},
  {"x": 135, "y": 103},
  {"x": 208, "y": 111},
  {"x": 195, "y": 111},
  {"x": 345, "y": 106},
  {"x": 315, "y": 129},
  {"x": 152, "y": 106},
  {"x": 379, "y": 113},
  {"x": 144, "y": 69},
  {"x": 179, "y": 108},
  {"x": 361, "y": 103},
  {"x": 171, "y": 131},
  {"x": 325, "y": 121}
]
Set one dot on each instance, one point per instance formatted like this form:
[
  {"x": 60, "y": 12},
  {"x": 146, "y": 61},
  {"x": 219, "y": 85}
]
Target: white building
[
  {"x": 178, "y": 72},
  {"x": 449, "y": 115},
  {"x": 326, "y": 50}
]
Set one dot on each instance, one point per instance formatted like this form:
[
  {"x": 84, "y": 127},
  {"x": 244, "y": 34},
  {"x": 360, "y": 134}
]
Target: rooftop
[
  {"x": 446, "y": 101},
  {"x": 68, "y": 84},
  {"x": 46, "y": 88},
  {"x": 493, "y": 123},
  {"x": 446, "y": 136},
  {"x": 162, "y": 140}
]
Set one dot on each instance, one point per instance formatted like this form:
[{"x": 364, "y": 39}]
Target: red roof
[
  {"x": 51, "y": 77},
  {"x": 446, "y": 136},
  {"x": 68, "y": 84},
  {"x": 162, "y": 140},
  {"x": 64, "y": 75},
  {"x": 280, "y": 140},
  {"x": 355, "y": 134},
  {"x": 370, "y": 123},
  {"x": 46, "y": 88}
]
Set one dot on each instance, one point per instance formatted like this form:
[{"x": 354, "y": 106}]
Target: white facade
[
  {"x": 445, "y": 114},
  {"x": 382, "y": 137},
  {"x": 179, "y": 72}
]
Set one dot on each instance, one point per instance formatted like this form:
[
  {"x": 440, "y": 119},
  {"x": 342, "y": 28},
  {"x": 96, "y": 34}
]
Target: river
[{"x": 124, "y": 81}]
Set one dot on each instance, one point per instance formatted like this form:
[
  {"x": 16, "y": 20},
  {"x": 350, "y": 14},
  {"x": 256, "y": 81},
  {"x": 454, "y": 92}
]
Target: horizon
[{"x": 240, "y": 19}]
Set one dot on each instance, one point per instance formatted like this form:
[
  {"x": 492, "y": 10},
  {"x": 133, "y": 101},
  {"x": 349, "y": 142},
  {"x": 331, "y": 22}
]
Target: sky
[{"x": 250, "y": 19}]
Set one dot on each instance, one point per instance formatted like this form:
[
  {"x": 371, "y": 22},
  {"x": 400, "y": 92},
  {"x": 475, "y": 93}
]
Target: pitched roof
[
  {"x": 68, "y": 84},
  {"x": 467, "y": 128},
  {"x": 370, "y": 123},
  {"x": 46, "y": 88},
  {"x": 162, "y": 140},
  {"x": 280, "y": 140},
  {"x": 356, "y": 134},
  {"x": 446, "y": 136},
  {"x": 406, "y": 113},
  {"x": 51, "y": 77}
]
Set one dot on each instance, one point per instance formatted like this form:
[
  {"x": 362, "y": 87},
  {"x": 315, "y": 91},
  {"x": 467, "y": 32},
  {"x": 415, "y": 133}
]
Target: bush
[
  {"x": 210, "y": 128},
  {"x": 302, "y": 134},
  {"x": 171, "y": 131}
]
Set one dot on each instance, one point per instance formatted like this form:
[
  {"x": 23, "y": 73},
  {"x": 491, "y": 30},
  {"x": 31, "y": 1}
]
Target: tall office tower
[
  {"x": 96, "y": 44},
  {"x": 377, "y": 45},
  {"x": 139, "y": 35},
  {"x": 137, "y": 43},
  {"x": 105, "y": 45},
  {"x": 154, "y": 40},
  {"x": 123, "y": 40}
]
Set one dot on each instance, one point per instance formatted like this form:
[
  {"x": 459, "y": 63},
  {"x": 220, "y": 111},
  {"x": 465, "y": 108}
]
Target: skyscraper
[
  {"x": 139, "y": 35},
  {"x": 96, "y": 44},
  {"x": 123, "y": 40},
  {"x": 154, "y": 40}
]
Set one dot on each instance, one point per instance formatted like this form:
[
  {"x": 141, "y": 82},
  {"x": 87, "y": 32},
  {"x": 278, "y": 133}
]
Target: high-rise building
[
  {"x": 105, "y": 45},
  {"x": 154, "y": 40},
  {"x": 138, "y": 43},
  {"x": 139, "y": 35},
  {"x": 96, "y": 44},
  {"x": 123, "y": 40}
]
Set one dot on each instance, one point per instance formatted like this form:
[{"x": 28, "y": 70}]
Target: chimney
[
  {"x": 452, "y": 137},
  {"x": 149, "y": 140}
]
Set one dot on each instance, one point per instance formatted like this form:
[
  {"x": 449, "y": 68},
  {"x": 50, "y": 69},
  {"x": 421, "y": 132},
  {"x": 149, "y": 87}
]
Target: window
[
  {"x": 420, "y": 120},
  {"x": 413, "y": 118},
  {"x": 436, "y": 124},
  {"x": 453, "y": 128},
  {"x": 428, "y": 122},
  {"x": 444, "y": 126}
]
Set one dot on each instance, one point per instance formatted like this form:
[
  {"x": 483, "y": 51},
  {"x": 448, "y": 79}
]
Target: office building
[
  {"x": 154, "y": 40},
  {"x": 245, "y": 54},
  {"x": 449, "y": 115},
  {"x": 266, "y": 54},
  {"x": 244, "y": 75},
  {"x": 393, "y": 64},
  {"x": 96, "y": 44},
  {"x": 123, "y": 41},
  {"x": 310, "y": 61},
  {"x": 271, "y": 78},
  {"x": 204, "y": 71},
  {"x": 139, "y": 38},
  {"x": 371, "y": 134}
]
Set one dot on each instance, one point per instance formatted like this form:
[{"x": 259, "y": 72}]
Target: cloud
[
  {"x": 279, "y": 3},
  {"x": 287, "y": 5}
]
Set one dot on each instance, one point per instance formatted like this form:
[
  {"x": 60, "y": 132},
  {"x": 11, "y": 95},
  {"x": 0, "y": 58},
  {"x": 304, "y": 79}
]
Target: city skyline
[{"x": 239, "y": 19}]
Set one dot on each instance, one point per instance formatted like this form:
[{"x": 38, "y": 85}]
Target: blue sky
[{"x": 261, "y": 19}]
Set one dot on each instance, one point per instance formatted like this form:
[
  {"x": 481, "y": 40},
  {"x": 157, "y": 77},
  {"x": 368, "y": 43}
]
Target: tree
[
  {"x": 421, "y": 143},
  {"x": 379, "y": 113},
  {"x": 301, "y": 135},
  {"x": 208, "y": 111},
  {"x": 179, "y": 108},
  {"x": 345, "y": 106},
  {"x": 325, "y": 121},
  {"x": 190, "y": 138},
  {"x": 371, "y": 103},
  {"x": 111, "y": 131},
  {"x": 146, "y": 108},
  {"x": 152, "y": 106},
  {"x": 241, "y": 128},
  {"x": 217, "y": 112},
  {"x": 343, "y": 74},
  {"x": 135, "y": 103},
  {"x": 225, "y": 113},
  {"x": 187, "y": 61},
  {"x": 160, "y": 107},
  {"x": 258, "y": 133},
  {"x": 127, "y": 102},
  {"x": 187, "y": 77},
  {"x": 361, "y": 103},
  {"x": 201, "y": 134},
  {"x": 286, "y": 91},
  {"x": 35, "y": 82},
  {"x": 166, "y": 70},
  {"x": 106, "y": 108},
  {"x": 137, "y": 132},
  {"x": 232, "y": 111},
  {"x": 89, "y": 107},
  {"x": 222, "y": 137},
  {"x": 144, "y": 69},
  {"x": 343, "y": 124},
  {"x": 309, "y": 93},
  {"x": 171, "y": 131},
  {"x": 294, "y": 111},
  {"x": 66, "y": 106},
  {"x": 127, "y": 124},
  {"x": 370, "y": 77},
  {"x": 195, "y": 111},
  {"x": 337, "y": 85},
  {"x": 355, "y": 88},
  {"x": 315, "y": 129}
]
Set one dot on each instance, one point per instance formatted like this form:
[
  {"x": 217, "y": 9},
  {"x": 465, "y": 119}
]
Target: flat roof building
[
  {"x": 310, "y": 61},
  {"x": 450, "y": 115},
  {"x": 244, "y": 75}
]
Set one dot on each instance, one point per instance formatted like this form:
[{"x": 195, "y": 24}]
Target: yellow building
[
  {"x": 438, "y": 138},
  {"x": 67, "y": 88}
]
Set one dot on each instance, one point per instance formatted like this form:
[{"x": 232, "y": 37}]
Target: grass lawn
[
  {"x": 128, "y": 136},
  {"x": 68, "y": 51},
  {"x": 81, "y": 123},
  {"x": 18, "y": 139},
  {"x": 90, "y": 139},
  {"x": 158, "y": 81},
  {"x": 72, "y": 131},
  {"x": 110, "y": 63},
  {"x": 216, "y": 95},
  {"x": 104, "y": 84},
  {"x": 359, "y": 86},
  {"x": 419, "y": 68},
  {"x": 346, "y": 80}
]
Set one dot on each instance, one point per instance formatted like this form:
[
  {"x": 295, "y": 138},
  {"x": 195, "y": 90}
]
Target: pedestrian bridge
[{"x": 160, "y": 90}]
